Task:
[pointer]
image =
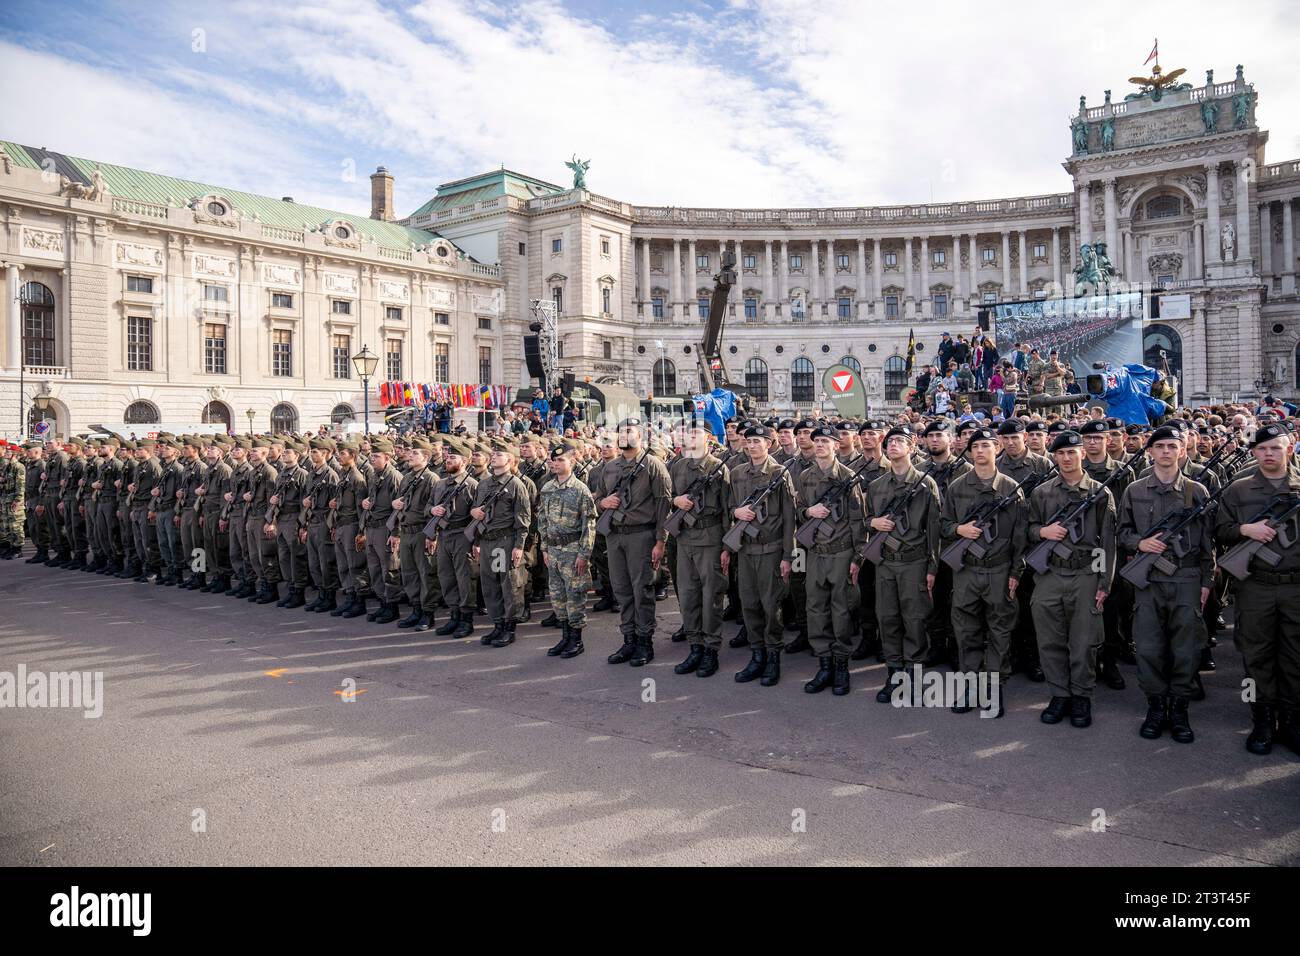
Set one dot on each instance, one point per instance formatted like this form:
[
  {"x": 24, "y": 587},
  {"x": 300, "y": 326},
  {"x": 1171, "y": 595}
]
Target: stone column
[
  {"x": 1130, "y": 254},
  {"x": 1242, "y": 193},
  {"x": 735, "y": 298},
  {"x": 1288, "y": 249},
  {"x": 862, "y": 278},
  {"x": 14, "y": 320},
  {"x": 1085, "y": 215},
  {"x": 691, "y": 281},
  {"x": 783, "y": 276},
  {"x": 767, "y": 280},
  {"x": 876, "y": 294},
  {"x": 925, "y": 278},
  {"x": 1024, "y": 264},
  {"x": 1056, "y": 254},
  {"x": 1198, "y": 250},
  {"x": 1112, "y": 224},
  {"x": 1006, "y": 264},
  {"x": 956, "y": 275},
  {"x": 1265, "y": 242},
  {"x": 973, "y": 266},
  {"x": 909, "y": 301},
  {"x": 646, "y": 284},
  {"x": 675, "y": 273},
  {"x": 831, "y": 273},
  {"x": 1213, "y": 251}
]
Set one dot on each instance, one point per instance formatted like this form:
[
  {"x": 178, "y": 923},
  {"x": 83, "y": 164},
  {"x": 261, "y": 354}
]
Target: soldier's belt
[
  {"x": 560, "y": 540},
  {"x": 1275, "y": 577},
  {"x": 459, "y": 526},
  {"x": 831, "y": 548},
  {"x": 1076, "y": 563},
  {"x": 705, "y": 522},
  {"x": 497, "y": 535},
  {"x": 286, "y": 510},
  {"x": 630, "y": 528},
  {"x": 905, "y": 555}
]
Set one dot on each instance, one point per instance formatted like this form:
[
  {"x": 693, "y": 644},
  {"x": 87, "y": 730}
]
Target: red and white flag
[{"x": 1155, "y": 53}]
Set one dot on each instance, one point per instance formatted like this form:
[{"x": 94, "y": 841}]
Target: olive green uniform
[
  {"x": 827, "y": 596},
  {"x": 902, "y": 597},
  {"x": 758, "y": 571},
  {"x": 701, "y": 584}
]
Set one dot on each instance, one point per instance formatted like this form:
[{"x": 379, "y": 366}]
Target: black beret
[
  {"x": 874, "y": 425},
  {"x": 786, "y": 423},
  {"x": 1134, "y": 429},
  {"x": 1034, "y": 426},
  {"x": 935, "y": 428},
  {"x": 559, "y": 451},
  {"x": 982, "y": 434},
  {"x": 1114, "y": 424},
  {"x": 632, "y": 422},
  {"x": 1096, "y": 426},
  {"x": 1066, "y": 439},
  {"x": 1012, "y": 426},
  {"x": 825, "y": 432},
  {"x": 967, "y": 425},
  {"x": 1268, "y": 433},
  {"x": 804, "y": 423},
  {"x": 758, "y": 431},
  {"x": 1056, "y": 428},
  {"x": 1164, "y": 433},
  {"x": 899, "y": 430}
]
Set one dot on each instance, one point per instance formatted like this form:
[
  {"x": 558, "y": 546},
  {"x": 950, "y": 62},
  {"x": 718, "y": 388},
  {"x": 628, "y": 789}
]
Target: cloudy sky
[{"x": 740, "y": 103}]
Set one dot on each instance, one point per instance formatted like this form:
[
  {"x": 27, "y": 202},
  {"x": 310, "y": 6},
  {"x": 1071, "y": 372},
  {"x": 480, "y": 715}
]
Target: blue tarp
[
  {"x": 715, "y": 408},
  {"x": 1128, "y": 394}
]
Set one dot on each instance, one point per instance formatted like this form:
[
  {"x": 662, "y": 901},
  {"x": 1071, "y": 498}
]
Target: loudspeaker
[
  {"x": 566, "y": 384},
  {"x": 984, "y": 317},
  {"x": 533, "y": 357}
]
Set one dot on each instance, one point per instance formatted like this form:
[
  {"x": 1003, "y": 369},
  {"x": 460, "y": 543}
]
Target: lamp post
[
  {"x": 41, "y": 402},
  {"x": 365, "y": 362},
  {"x": 251, "y": 413},
  {"x": 21, "y": 300}
]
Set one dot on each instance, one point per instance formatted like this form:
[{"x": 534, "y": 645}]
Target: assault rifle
[
  {"x": 896, "y": 511},
  {"x": 1237, "y": 559},
  {"x": 605, "y": 523},
  {"x": 436, "y": 523},
  {"x": 741, "y": 530},
  {"x": 1071, "y": 515},
  {"x": 816, "y": 530},
  {"x": 985, "y": 514},
  {"x": 475, "y": 528},
  {"x": 680, "y": 519}
]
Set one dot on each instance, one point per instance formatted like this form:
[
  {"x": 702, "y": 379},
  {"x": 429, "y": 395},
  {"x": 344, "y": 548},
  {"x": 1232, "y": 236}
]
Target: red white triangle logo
[{"x": 842, "y": 381}]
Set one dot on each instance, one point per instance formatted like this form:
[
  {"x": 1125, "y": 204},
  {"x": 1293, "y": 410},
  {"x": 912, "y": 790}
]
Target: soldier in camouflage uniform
[
  {"x": 566, "y": 527},
  {"x": 13, "y": 478}
]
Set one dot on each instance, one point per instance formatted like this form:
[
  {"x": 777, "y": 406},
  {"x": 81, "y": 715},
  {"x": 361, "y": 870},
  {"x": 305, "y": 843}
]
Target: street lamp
[
  {"x": 41, "y": 402},
  {"x": 365, "y": 362},
  {"x": 21, "y": 301},
  {"x": 251, "y": 413}
]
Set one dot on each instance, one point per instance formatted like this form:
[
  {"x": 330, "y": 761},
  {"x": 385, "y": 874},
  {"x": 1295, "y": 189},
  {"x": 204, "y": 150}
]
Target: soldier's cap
[
  {"x": 506, "y": 449},
  {"x": 696, "y": 424},
  {"x": 561, "y": 451},
  {"x": 113, "y": 441},
  {"x": 758, "y": 431},
  {"x": 322, "y": 444},
  {"x": 193, "y": 441},
  {"x": 1115, "y": 424},
  {"x": 1097, "y": 426},
  {"x": 1134, "y": 429},
  {"x": 1057, "y": 427},
  {"x": 1066, "y": 439},
  {"x": 1204, "y": 430},
  {"x": 968, "y": 425},
  {"x": 128, "y": 445},
  {"x": 845, "y": 426},
  {"x": 771, "y": 422},
  {"x": 420, "y": 445},
  {"x": 873, "y": 425},
  {"x": 148, "y": 443},
  {"x": 1181, "y": 424},
  {"x": 803, "y": 423},
  {"x": 1012, "y": 426},
  {"x": 732, "y": 421},
  {"x": 382, "y": 445},
  {"x": 1034, "y": 426},
  {"x": 632, "y": 422},
  {"x": 244, "y": 443},
  {"x": 982, "y": 434},
  {"x": 901, "y": 431},
  {"x": 1164, "y": 433},
  {"x": 77, "y": 442},
  {"x": 935, "y": 428},
  {"x": 34, "y": 444},
  {"x": 348, "y": 445},
  {"x": 1268, "y": 433},
  {"x": 784, "y": 424},
  {"x": 825, "y": 432}
]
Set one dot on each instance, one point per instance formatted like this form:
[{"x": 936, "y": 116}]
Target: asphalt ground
[{"x": 229, "y": 736}]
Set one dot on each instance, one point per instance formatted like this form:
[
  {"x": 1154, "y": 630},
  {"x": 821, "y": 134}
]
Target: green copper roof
[
  {"x": 499, "y": 182},
  {"x": 167, "y": 190}
]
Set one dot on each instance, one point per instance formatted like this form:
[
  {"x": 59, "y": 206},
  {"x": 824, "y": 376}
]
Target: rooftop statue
[
  {"x": 1241, "y": 104},
  {"x": 579, "y": 167},
  {"x": 1157, "y": 85}
]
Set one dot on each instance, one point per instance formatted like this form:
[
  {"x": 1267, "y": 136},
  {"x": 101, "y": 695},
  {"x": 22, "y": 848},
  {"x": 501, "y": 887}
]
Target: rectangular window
[
  {"x": 607, "y": 349},
  {"x": 441, "y": 318},
  {"x": 559, "y": 349},
  {"x": 844, "y": 307},
  {"x": 796, "y": 262},
  {"x": 557, "y": 296},
  {"x": 281, "y": 300},
  {"x": 393, "y": 355},
  {"x": 557, "y": 245},
  {"x": 841, "y": 262},
  {"x": 484, "y": 323},
  {"x": 522, "y": 249},
  {"x": 484, "y": 363},
  {"x": 702, "y": 261},
  {"x": 340, "y": 307},
  {"x": 282, "y": 352},
  {"x": 988, "y": 254},
  {"x": 442, "y": 362},
  {"x": 393, "y": 314},
  {"x": 751, "y": 308},
  {"x": 941, "y": 304},
  {"x": 216, "y": 293},
  {"x": 703, "y": 306},
  {"x": 891, "y": 259},
  {"x": 604, "y": 247},
  {"x": 341, "y": 353},
  {"x": 214, "y": 349},
  {"x": 1040, "y": 250},
  {"x": 139, "y": 343},
  {"x": 891, "y": 306},
  {"x": 657, "y": 307},
  {"x": 988, "y": 297},
  {"x": 749, "y": 262},
  {"x": 139, "y": 284},
  {"x": 605, "y": 303},
  {"x": 939, "y": 256}
]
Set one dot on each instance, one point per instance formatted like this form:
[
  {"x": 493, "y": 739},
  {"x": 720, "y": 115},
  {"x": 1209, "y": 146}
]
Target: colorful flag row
[{"x": 392, "y": 394}]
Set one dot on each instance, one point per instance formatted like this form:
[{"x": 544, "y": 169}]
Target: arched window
[
  {"x": 852, "y": 363},
  {"x": 802, "y": 388},
  {"x": 141, "y": 413},
  {"x": 1297, "y": 366},
  {"x": 895, "y": 377},
  {"x": 36, "y": 415},
  {"x": 284, "y": 418},
  {"x": 38, "y": 324},
  {"x": 215, "y": 413},
  {"x": 1164, "y": 207},
  {"x": 342, "y": 414},
  {"x": 756, "y": 379},
  {"x": 1157, "y": 339},
  {"x": 665, "y": 377}
]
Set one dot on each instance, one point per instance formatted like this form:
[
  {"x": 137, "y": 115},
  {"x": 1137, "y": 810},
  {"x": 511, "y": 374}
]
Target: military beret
[
  {"x": 771, "y": 422},
  {"x": 1066, "y": 439},
  {"x": 732, "y": 421},
  {"x": 983, "y": 434},
  {"x": 560, "y": 451},
  {"x": 1204, "y": 430},
  {"x": 1012, "y": 426},
  {"x": 1164, "y": 433},
  {"x": 1268, "y": 433},
  {"x": 825, "y": 432},
  {"x": 758, "y": 431},
  {"x": 900, "y": 431},
  {"x": 34, "y": 444},
  {"x": 632, "y": 422},
  {"x": 935, "y": 428},
  {"x": 1034, "y": 426},
  {"x": 786, "y": 423},
  {"x": 1134, "y": 429},
  {"x": 845, "y": 426},
  {"x": 968, "y": 425},
  {"x": 874, "y": 425},
  {"x": 1095, "y": 427},
  {"x": 803, "y": 423},
  {"x": 1115, "y": 424},
  {"x": 382, "y": 445},
  {"x": 1181, "y": 424}
]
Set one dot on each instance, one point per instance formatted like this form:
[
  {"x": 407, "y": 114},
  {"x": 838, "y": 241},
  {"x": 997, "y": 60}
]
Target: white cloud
[{"x": 759, "y": 103}]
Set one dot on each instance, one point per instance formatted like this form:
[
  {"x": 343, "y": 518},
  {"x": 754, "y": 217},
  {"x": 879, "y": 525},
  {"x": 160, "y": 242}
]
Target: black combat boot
[
  {"x": 78, "y": 562},
  {"x": 741, "y": 639},
  {"x": 209, "y": 584},
  {"x": 823, "y": 678},
  {"x": 624, "y": 653},
  {"x": 1260, "y": 740},
  {"x": 886, "y": 693},
  {"x": 357, "y": 609},
  {"x": 1035, "y": 672},
  {"x": 731, "y": 612},
  {"x": 350, "y": 600},
  {"x": 411, "y": 619},
  {"x": 679, "y": 635},
  {"x": 40, "y": 557},
  {"x": 266, "y": 595},
  {"x": 754, "y": 669},
  {"x": 1110, "y": 675},
  {"x": 575, "y": 644},
  {"x": 606, "y": 602},
  {"x": 708, "y": 663},
  {"x": 692, "y": 660},
  {"x": 284, "y": 601},
  {"x": 328, "y": 602},
  {"x": 1198, "y": 687},
  {"x": 869, "y": 646},
  {"x": 297, "y": 597},
  {"x": 377, "y": 611},
  {"x": 644, "y": 653},
  {"x": 1288, "y": 728},
  {"x": 772, "y": 669},
  {"x": 1055, "y": 711},
  {"x": 799, "y": 644},
  {"x": 563, "y": 643},
  {"x": 551, "y": 621},
  {"x": 506, "y": 637},
  {"x": 1179, "y": 726},
  {"x": 315, "y": 602},
  {"x": 1080, "y": 711},
  {"x": 841, "y": 677},
  {"x": 1157, "y": 717},
  {"x": 498, "y": 628},
  {"x": 426, "y": 624},
  {"x": 1207, "y": 660},
  {"x": 453, "y": 622},
  {"x": 388, "y": 614},
  {"x": 465, "y": 626}
]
